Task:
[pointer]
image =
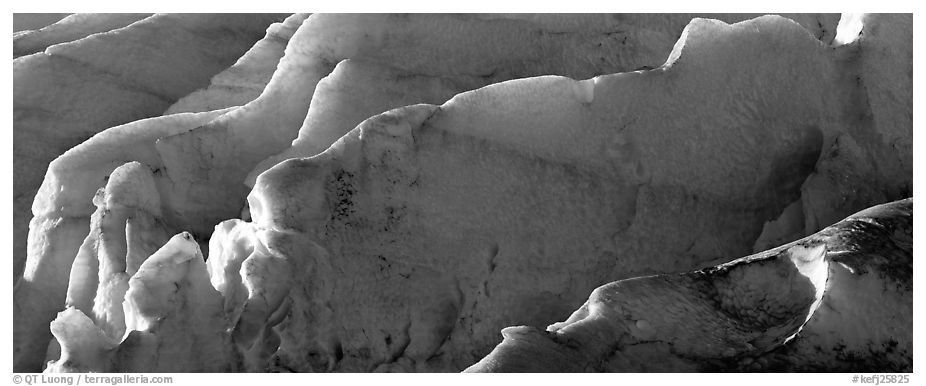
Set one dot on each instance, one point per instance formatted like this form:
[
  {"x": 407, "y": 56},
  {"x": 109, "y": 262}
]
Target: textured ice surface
[
  {"x": 839, "y": 300},
  {"x": 62, "y": 220},
  {"x": 230, "y": 147},
  {"x": 172, "y": 316},
  {"x": 127, "y": 228},
  {"x": 871, "y": 161},
  {"x": 208, "y": 165},
  {"x": 490, "y": 195},
  {"x": 413, "y": 239},
  {"x": 821, "y": 26},
  {"x": 124, "y": 231},
  {"x": 73, "y": 90},
  {"x": 393, "y": 60}
]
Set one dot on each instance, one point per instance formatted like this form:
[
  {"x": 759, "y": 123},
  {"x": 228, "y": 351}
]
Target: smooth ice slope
[
  {"x": 71, "y": 28},
  {"x": 246, "y": 79},
  {"x": 33, "y": 21},
  {"x": 73, "y": 90},
  {"x": 356, "y": 90},
  {"x": 611, "y": 43},
  {"x": 840, "y": 300},
  {"x": 459, "y": 48}
]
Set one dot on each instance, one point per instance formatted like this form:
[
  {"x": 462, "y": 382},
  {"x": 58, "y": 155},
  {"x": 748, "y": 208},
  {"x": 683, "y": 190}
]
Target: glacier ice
[
  {"x": 466, "y": 199},
  {"x": 72, "y": 27},
  {"x": 835, "y": 301},
  {"x": 73, "y": 90},
  {"x": 245, "y": 80}
]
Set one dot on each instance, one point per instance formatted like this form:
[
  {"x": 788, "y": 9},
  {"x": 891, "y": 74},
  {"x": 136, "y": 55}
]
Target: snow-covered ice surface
[{"x": 408, "y": 243}]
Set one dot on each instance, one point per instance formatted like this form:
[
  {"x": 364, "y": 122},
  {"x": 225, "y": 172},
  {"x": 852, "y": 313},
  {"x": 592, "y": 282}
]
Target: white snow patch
[{"x": 849, "y": 28}]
